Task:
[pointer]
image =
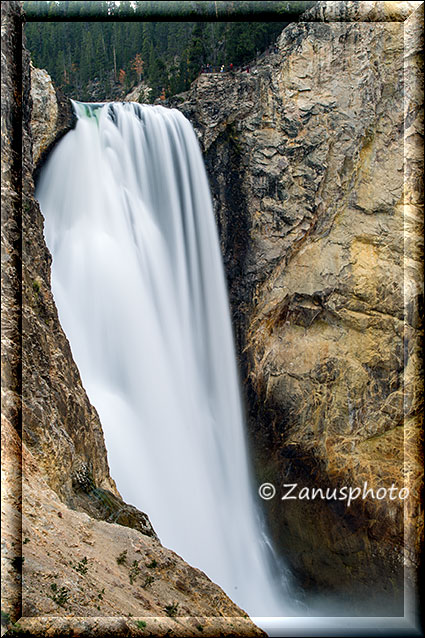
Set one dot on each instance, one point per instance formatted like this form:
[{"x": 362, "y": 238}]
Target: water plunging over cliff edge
[{"x": 139, "y": 284}]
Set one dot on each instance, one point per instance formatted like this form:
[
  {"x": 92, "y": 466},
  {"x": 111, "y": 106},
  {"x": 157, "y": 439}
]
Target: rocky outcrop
[
  {"x": 44, "y": 112},
  {"x": 51, "y": 115},
  {"x": 140, "y": 93},
  {"x": 305, "y": 155},
  {"x": 81, "y": 576},
  {"x": 64, "y": 524}
]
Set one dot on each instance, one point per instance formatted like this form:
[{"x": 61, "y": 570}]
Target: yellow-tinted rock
[{"x": 44, "y": 111}]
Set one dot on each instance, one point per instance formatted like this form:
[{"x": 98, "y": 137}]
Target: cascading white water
[{"x": 138, "y": 281}]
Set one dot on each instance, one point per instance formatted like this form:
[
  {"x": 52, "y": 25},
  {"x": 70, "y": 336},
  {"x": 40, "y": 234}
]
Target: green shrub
[
  {"x": 171, "y": 609},
  {"x": 134, "y": 571},
  {"x": 121, "y": 558},
  {"x": 5, "y": 618},
  {"x": 59, "y": 596},
  {"x": 82, "y": 567},
  {"x": 148, "y": 581}
]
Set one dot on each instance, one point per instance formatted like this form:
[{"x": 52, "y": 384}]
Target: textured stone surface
[
  {"x": 44, "y": 112},
  {"x": 52, "y": 116},
  {"x": 140, "y": 93},
  {"x": 413, "y": 265},
  {"x": 306, "y": 162},
  {"x": 11, "y": 192}
]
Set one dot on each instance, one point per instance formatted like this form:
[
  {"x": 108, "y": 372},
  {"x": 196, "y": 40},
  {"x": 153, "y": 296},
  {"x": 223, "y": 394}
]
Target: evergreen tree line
[{"x": 103, "y": 59}]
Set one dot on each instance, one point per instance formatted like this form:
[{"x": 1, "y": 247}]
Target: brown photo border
[{"x": 411, "y": 173}]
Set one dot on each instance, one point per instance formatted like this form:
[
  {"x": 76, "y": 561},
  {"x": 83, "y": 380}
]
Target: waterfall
[{"x": 138, "y": 281}]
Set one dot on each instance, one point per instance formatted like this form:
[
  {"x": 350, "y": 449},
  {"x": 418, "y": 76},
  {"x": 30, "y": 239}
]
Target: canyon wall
[{"x": 318, "y": 208}]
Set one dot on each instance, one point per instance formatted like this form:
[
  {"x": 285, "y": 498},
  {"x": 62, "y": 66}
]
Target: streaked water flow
[{"x": 138, "y": 280}]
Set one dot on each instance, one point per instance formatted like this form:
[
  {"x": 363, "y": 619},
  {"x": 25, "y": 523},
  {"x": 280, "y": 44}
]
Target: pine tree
[
  {"x": 137, "y": 65},
  {"x": 87, "y": 66},
  {"x": 197, "y": 54}
]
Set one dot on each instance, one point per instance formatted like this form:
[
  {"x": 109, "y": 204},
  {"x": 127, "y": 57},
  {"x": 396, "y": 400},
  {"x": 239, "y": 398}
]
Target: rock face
[
  {"x": 44, "y": 112},
  {"x": 64, "y": 523},
  {"x": 51, "y": 115},
  {"x": 140, "y": 93},
  {"x": 319, "y": 232}
]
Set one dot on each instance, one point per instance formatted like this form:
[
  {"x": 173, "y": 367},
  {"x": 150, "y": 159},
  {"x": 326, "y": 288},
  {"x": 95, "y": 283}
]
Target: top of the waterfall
[
  {"x": 93, "y": 110},
  {"x": 87, "y": 109}
]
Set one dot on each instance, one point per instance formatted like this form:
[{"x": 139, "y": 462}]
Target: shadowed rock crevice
[{"x": 224, "y": 162}]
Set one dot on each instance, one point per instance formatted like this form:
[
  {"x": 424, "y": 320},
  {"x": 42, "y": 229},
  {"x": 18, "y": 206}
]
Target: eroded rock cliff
[
  {"x": 320, "y": 231},
  {"x": 51, "y": 115},
  {"x": 75, "y": 558}
]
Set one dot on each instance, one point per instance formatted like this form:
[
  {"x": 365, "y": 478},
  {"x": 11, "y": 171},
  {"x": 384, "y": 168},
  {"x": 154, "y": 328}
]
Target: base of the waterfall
[
  {"x": 327, "y": 624},
  {"x": 345, "y": 626}
]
